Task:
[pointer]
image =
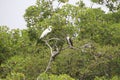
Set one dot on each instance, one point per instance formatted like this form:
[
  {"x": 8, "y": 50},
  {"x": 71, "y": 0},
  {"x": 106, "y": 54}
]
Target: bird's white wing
[{"x": 44, "y": 33}]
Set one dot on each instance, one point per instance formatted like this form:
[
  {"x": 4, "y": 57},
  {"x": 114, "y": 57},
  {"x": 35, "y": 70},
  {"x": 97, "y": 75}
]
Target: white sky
[{"x": 12, "y": 11}]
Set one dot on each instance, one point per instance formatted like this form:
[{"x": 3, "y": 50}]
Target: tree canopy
[{"x": 95, "y": 54}]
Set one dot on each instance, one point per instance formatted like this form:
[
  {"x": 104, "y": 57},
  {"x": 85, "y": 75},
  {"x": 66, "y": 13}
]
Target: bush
[
  {"x": 45, "y": 76},
  {"x": 15, "y": 76},
  {"x": 30, "y": 66},
  {"x": 104, "y": 78}
]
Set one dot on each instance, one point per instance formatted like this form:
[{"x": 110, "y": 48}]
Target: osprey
[
  {"x": 69, "y": 41},
  {"x": 46, "y": 31}
]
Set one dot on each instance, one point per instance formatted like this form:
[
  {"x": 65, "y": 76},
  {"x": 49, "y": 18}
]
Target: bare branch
[
  {"x": 54, "y": 52},
  {"x": 53, "y": 39},
  {"x": 48, "y": 67},
  {"x": 65, "y": 48},
  {"x": 48, "y": 45}
]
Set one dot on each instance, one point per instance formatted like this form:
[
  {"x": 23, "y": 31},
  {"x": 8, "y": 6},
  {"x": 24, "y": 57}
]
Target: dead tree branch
[{"x": 53, "y": 52}]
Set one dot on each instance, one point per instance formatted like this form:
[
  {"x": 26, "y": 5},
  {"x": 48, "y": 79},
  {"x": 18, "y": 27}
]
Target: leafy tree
[
  {"x": 5, "y": 43},
  {"x": 113, "y": 5},
  {"x": 44, "y": 76},
  {"x": 95, "y": 35}
]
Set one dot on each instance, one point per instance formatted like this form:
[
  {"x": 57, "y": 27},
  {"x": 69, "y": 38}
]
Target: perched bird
[
  {"x": 69, "y": 41},
  {"x": 46, "y": 31}
]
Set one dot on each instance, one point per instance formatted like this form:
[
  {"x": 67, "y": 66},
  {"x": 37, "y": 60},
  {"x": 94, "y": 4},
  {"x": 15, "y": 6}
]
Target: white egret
[{"x": 46, "y": 31}]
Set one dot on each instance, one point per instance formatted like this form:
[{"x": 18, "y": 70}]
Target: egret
[
  {"x": 69, "y": 41},
  {"x": 46, "y": 31}
]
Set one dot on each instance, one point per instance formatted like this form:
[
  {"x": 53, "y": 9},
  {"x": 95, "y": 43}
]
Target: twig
[
  {"x": 53, "y": 39},
  {"x": 65, "y": 48},
  {"x": 48, "y": 46},
  {"x": 71, "y": 47}
]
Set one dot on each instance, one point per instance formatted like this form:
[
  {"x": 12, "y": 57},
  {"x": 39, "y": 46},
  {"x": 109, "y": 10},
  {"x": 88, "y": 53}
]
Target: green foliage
[
  {"x": 16, "y": 76},
  {"x": 96, "y": 52},
  {"x": 45, "y": 76},
  {"x": 63, "y": 1},
  {"x": 112, "y": 5},
  {"x": 5, "y": 43},
  {"x": 88, "y": 62},
  {"x": 104, "y": 78},
  {"x": 27, "y": 65}
]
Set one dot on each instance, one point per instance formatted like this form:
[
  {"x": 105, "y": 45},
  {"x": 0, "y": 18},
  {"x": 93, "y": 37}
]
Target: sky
[{"x": 12, "y": 11}]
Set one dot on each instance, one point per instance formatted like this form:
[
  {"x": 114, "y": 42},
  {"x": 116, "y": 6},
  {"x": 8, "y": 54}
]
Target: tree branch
[
  {"x": 53, "y": 39},
  {"x": 54, "y": 52},
  {"x": 48, "y": 67},
  {"x": 48, "y": 45}
]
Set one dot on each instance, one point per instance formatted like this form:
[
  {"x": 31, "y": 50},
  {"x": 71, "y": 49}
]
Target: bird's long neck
[{"x": 49, "y": 29}]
